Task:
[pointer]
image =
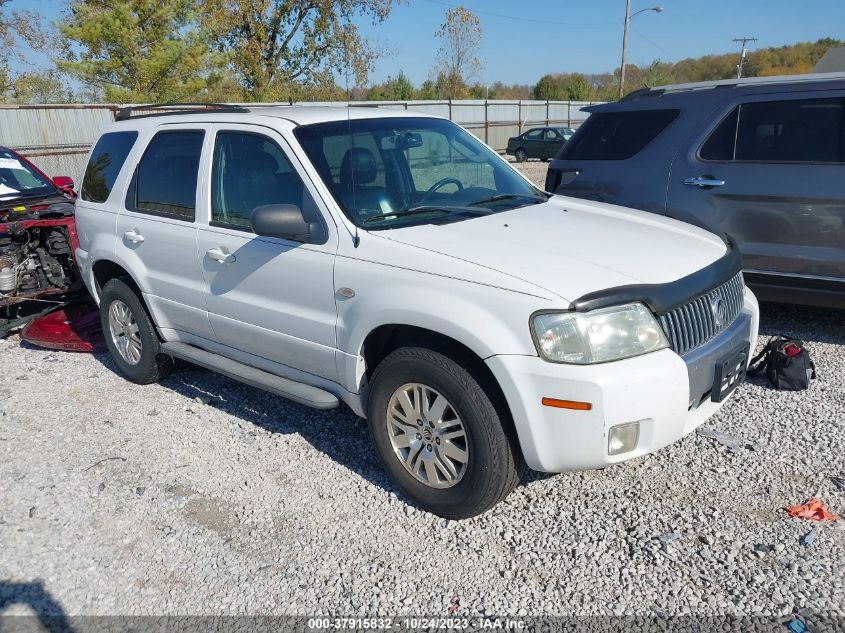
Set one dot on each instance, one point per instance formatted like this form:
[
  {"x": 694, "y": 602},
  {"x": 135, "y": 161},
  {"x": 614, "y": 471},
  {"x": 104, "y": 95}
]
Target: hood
[
  {"x": 572, "y": 247},
  {"x": 54, "y": 205}
]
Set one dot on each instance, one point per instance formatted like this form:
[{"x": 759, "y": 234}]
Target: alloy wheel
[
  {"x": 124, "y": 332},
  {"x": 427, "y": 435}
]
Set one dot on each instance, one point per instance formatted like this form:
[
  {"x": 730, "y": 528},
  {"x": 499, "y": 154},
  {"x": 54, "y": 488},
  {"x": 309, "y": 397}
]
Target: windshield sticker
[
  {"x": 4, "y": 190},
  {"x": 11, "y": 163}
]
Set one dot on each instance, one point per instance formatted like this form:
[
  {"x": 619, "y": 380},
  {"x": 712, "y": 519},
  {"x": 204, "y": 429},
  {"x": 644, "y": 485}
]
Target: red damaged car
[{"x": 38, "y": 273}]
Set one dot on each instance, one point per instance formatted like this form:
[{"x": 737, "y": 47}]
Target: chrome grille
[{"x": 696, "y": 322}]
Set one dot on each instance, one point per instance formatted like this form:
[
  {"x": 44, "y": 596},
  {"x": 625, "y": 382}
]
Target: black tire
[
  {"x": 153, "y": 365},
  {"x": 494, "y": 465},
  {"x": 520, "y": 155}
]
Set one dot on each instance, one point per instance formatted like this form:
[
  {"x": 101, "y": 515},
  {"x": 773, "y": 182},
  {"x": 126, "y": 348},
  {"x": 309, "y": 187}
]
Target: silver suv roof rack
[{"x": 751, "y": 81}]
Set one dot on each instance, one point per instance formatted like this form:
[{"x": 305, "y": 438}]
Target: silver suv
[{"x": 393, "y": 262}]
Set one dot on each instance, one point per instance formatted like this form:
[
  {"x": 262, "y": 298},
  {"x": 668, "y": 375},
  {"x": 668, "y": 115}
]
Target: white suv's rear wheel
[
  {"x": 130, "y": 335},
  {"x": 439, "y": 435}
]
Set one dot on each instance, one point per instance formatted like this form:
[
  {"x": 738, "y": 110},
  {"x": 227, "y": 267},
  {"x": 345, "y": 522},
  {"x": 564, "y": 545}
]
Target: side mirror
[
  {"x": 281, "y": 220},
  {"x": 64, "y": 182}
]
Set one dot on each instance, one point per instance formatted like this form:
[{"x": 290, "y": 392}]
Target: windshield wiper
[
  {"x": 420, "y": 210},
  {"x": 510, "y": 196}
]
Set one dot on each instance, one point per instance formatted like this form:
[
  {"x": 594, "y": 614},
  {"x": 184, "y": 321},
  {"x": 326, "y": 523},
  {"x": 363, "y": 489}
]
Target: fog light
[{"x": 623, "y": 438}]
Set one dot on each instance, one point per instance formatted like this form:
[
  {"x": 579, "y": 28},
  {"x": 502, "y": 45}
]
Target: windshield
[
  {"x": 19, "y": 180},
  {"x": 400, "y": 171}
]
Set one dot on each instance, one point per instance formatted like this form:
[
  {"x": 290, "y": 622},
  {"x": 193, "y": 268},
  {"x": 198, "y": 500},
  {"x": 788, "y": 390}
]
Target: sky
[{"x": 525, "y": 39}]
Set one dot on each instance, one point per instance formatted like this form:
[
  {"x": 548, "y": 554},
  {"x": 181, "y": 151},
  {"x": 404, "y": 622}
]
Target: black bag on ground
[{"x": 787, "y": 364}]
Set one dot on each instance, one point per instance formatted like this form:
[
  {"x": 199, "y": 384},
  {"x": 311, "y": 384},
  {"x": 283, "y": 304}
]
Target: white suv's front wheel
[{"x": 439, "y": 435}]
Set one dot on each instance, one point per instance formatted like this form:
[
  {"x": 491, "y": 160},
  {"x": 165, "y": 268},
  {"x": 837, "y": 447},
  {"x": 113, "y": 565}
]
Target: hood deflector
[{"x": 662, "y": 298}]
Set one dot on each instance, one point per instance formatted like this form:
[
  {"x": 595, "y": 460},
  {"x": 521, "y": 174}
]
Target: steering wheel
[{"x": 442, "y": 183}]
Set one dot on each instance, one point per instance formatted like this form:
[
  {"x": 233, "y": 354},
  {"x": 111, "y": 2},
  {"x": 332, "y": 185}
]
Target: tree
[
  {"x": 397, "y": 88},
  {"x": 458, "y": 61},
  {"x": 548, "y": 88},
  {"x": 40, "y": 87},
  {"x": 136, "y": 50},
  {"x": 273, "y": 47},
  {"x": 563, "y": 87},
  {"x": 427, "y": 91},
  {"x": 21, "y": 32}
]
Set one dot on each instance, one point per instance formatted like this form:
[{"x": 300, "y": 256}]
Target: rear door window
[
  {"x": 802, "y": 131},
  {"x": 165, "y": 182},
  {"x": 796, "y": 131},
  {"x": 617, "y": 135},
  {"x": 105, "y": 163}
]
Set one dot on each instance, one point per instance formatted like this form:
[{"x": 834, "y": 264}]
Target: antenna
[
  {"x": 742, "y": 53},
  {"x": 356, "y": 239}
]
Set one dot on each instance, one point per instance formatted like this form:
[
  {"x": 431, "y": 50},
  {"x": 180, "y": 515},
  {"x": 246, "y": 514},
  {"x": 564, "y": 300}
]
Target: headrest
[{"x": 358, "y": 167}]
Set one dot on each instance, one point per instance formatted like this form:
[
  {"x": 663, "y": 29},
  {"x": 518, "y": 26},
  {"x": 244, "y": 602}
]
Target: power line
[
  {"x": 652, "y": 42},
  {"x": 742, "y": 53},
  {"x": 522, "y": 19}
]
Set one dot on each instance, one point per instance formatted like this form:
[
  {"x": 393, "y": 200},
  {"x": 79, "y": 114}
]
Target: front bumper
[{"x": 659, "y": 390}]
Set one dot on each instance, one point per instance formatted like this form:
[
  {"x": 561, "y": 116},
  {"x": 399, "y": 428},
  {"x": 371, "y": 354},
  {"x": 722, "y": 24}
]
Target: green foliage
[
  {"x": 563, "y": 87},
  {"x": 782, "y": 60},
  {"x": 40, "y": 87},
  {"x": 274, "y": 48},
  {"x": 397, "y": 88},
  {"x": 427, "y": 91},
  {"x": 136, "y": 50},
  {"x": 500, "y": 90},
  {"x": 792, "y": 59}
]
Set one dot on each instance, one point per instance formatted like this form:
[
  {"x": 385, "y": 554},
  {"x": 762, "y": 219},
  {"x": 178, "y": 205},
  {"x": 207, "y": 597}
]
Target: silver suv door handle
[
  {"x": 220, "y": 255},
  {"x": 700, "y": 181},
  {"x": 133, "y": 236}
]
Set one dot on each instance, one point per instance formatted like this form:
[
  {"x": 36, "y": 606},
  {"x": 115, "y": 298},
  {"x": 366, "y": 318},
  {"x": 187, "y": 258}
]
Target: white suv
[{"x": 392, "y": 261}]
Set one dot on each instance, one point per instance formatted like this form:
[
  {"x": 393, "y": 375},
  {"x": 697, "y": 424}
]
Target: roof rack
[
  {"x": 753, "y": 81},
  {"x": 125, "y": 113}
]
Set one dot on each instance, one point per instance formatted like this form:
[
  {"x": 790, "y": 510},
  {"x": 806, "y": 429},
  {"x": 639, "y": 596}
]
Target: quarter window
[
  {"x": 720, "y": 145},
  {"x": 165, "y": 182},
  {"x": 617, "y": 135},
  {"x": 105, "y": 163}
]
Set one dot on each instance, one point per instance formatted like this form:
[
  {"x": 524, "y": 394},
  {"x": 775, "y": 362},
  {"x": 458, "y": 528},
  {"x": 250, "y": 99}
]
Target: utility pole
[
  {"x": 742, "y": 53},
  {"x": 624, "y": 48},
  {"x": 628, "y": 17}
]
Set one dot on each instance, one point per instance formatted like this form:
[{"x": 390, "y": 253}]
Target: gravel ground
[
  {"x": 203, "y": 496},
  {"x": 533, "y": 168}
]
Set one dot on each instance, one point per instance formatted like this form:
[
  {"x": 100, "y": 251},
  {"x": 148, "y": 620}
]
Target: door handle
[
  {"x": 703, "y": 181},
  {"x": 221, "y": 255},
  {"x": 133, "y": 236}
]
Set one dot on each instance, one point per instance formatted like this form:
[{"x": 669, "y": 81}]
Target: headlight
[{"x": 583, "y": 338}]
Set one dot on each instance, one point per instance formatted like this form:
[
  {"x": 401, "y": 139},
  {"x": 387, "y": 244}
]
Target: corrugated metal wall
[{"x": 57, "y": 138}]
